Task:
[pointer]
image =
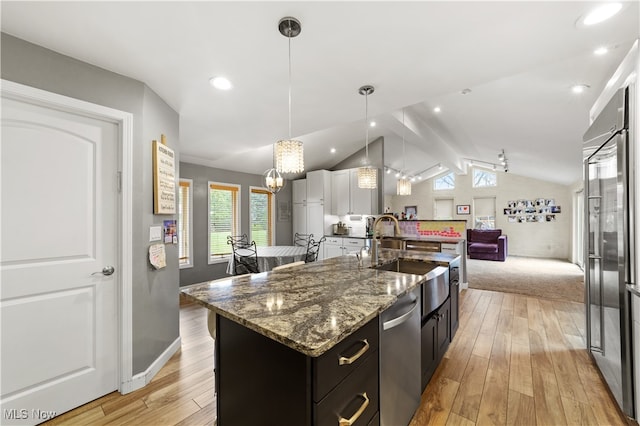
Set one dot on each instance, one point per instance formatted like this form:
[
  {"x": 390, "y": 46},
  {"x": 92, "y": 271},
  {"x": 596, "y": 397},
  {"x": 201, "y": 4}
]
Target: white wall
[{"x": 546, "y": 239}]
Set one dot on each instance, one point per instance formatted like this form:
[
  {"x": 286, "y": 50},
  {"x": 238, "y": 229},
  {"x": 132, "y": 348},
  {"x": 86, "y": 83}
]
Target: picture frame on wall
[
  {"x": 411, "y": 212},
  {"x": 463, "y": 208}
]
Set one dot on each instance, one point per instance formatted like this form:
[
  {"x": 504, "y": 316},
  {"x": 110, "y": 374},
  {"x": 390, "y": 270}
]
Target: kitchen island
[{"x": 294, "y": 345}]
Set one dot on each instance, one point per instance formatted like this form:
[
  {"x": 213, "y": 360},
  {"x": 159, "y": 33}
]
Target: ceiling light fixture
[
  {"x": 600, "y": 51},
  {"x": 373, "y": 123},
  {"x": 403, "y": 185},
  {"x": 579, "y": 88},
  {"x": 220, "y": 83},
  {"x": 288, "y": 154},
  {"x": 333, "y": 150},
  {"x": 601, "y": 13},
  {"x": 437, "y": 109},
  {"x": 367, "y": 175}
]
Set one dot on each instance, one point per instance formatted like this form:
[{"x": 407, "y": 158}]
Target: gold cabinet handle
[
  {"x": 344, "y": 360},
  {"x": 348, "y": 422}
]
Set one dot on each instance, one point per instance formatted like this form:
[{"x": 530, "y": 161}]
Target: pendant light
[
  {"x": 288, "y": 154},
  {"x": 367, "y": 175},
  {"x": 404, "y": 184}
]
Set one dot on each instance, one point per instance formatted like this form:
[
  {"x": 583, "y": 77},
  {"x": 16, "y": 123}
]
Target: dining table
[{"x": 272, "y": 256}]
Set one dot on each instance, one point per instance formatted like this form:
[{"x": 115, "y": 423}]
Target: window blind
[
  {"x": 223, "y": 217},
  {"x": 260, "y": 216},
  {"x": 184, "y": 222},
  {"x": 443, "y": 209}
]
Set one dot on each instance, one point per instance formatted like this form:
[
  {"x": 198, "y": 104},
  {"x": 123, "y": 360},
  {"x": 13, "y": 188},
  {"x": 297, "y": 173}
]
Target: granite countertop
[{"x": 311, "y": 307}]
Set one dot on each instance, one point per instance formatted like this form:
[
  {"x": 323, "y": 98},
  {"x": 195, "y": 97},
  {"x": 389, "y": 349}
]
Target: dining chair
[
  {"x": 238, "y": 239},
  {"x": 302, "y": 240},
  {"x": 245, "y": 258},
  {"x": 288, "y": 265},
  {"x": 312, "y": 250}
]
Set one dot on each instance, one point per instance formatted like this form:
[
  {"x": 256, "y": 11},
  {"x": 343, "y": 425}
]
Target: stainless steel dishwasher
[{"x": 400, "y": 385}]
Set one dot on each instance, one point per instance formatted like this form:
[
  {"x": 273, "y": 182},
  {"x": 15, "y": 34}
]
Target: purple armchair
[{"x": 486, "y": 244}]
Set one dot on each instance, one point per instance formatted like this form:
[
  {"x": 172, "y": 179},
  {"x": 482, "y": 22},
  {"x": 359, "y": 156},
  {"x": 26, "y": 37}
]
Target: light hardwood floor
[{"x": 514, "y": 360}]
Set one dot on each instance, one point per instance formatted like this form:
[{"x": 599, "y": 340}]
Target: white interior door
[{"x": 59, "y": 343}]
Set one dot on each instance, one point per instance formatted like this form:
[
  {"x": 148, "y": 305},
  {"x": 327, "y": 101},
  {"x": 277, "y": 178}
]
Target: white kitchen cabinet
[
  {"x": 347, "y": 198},
  {"x": 338, "y": 246},
  {"x": 333, "y": 247},
  {"x": 319, "y": 187},
  {"x": 311, "y": 202},
  {"x": 299, "y": 191}
]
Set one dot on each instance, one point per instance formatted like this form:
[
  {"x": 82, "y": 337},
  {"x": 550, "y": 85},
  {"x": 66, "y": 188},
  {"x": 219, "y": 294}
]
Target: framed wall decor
[
  {"x": 164, "y": 178},
  {"x": 411, "y": 212},
  {"x": 463, "y": 208}
]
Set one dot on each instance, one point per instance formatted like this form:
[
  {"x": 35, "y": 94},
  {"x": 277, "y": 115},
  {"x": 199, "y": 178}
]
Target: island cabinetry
[
  {"x": 436, "y": 336},
  {"x": 262, "y": 382},
  {"x": 454, "y": 292}
]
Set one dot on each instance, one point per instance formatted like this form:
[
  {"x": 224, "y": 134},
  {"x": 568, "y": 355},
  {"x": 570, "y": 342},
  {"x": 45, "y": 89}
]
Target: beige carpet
[{"x": 547, "y": 278}]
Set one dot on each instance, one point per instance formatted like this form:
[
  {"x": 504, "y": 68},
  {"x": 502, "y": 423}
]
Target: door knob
[{"x": 107, "y": 270}]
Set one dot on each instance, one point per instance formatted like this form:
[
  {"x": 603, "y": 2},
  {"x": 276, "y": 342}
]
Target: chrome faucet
[{"x": 375, "y": 241}]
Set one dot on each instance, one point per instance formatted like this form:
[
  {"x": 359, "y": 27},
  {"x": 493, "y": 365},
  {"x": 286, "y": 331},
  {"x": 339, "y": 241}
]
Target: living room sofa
[{"x": 487, "y": 244}]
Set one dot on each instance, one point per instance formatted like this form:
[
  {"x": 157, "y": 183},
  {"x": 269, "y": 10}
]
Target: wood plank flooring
[{"x": 516, "y": 360}]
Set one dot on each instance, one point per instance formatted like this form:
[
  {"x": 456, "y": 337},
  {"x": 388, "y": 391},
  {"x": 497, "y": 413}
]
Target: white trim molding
[
  {"x": 140, "y": 380},
  {"x": 124, "y": 121}
]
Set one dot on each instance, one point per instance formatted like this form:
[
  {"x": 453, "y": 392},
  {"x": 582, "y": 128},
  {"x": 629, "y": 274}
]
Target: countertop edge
[{"x": 312, "y": 352}]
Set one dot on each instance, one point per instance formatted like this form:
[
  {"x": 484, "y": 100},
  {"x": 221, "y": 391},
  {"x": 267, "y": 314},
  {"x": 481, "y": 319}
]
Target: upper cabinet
[
  {"x": 299, "y": 190},
  {"x": 347, "y": 198},
  {"x": 319, "y": 187}
]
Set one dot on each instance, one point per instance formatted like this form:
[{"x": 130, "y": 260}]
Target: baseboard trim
[{"x": 142, "y": 379}]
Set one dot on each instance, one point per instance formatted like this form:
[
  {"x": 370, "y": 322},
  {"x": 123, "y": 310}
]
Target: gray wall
[
  {"x": 201, "y": 175},
  {"x": 376, "y": 159},
  {"x": 155, "y": 293}
]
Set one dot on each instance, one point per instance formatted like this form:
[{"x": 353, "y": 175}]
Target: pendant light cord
[
  {"x": 366, "y": 125},
  {"x": 289, "y": 37},
  {"x": 404, "y": 156}
]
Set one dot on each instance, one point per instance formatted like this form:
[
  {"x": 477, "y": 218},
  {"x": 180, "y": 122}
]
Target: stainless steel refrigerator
[{"x": 609, "y": 250}]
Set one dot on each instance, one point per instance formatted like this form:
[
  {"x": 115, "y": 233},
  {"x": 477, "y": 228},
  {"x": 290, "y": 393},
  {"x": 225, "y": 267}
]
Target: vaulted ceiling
[{"x": 518, "y": 61}]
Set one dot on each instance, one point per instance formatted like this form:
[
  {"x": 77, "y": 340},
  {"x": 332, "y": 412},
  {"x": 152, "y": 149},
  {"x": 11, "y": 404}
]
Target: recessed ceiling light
[
  {"x": 220, "y": 83},
  {"x": 601, "y": 13},
  {"x": 419, "y": 177},
  {"x": 579, "y": 88},
  {"x": 372, "y": 124},
  {"x": 333, "y": 150},
  {"x": 600, "y": 51},
  {"x": 437, "y": 109},
  {"x": 397, "y": 175},
  {"x": 388, "y": 171}
]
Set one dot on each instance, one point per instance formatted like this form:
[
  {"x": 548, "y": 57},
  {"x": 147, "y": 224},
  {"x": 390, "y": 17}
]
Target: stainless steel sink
[
  {"x": 408, "y": 266},
  {"x": 435, "y": 287}
]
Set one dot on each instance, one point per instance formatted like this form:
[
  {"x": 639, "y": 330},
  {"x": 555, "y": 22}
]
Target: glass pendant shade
[
  {"x": 289, "y": 156},
  {"x": 404, "y": 187},
  {"x": 273, "y": 181},
  {"x": 367, "y": 177}
]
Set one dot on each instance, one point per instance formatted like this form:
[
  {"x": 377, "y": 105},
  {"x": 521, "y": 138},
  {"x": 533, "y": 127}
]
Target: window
[
  {"x": 261, "y": 216},
  {"x": 484, "y": 213},
  {"x": 185, "y": 218},
  {"x": 443, "y": 209},
  {"x": 224, "y": 217},
  {"x": 447, "y": 181},
  {"x": 483, "y": 178}
]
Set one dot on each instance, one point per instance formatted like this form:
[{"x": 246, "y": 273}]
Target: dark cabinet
[
  {"x": 435, "y": 339},
  {"x": 455, "y": 309},
  {"x": 262, "y": 382}
]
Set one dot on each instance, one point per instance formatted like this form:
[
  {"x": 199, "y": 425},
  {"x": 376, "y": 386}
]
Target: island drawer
[
  {"x": 334, "y": 365},
  {"x": 429, "y": 246},
  {"x": 355, "y": 398}
]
